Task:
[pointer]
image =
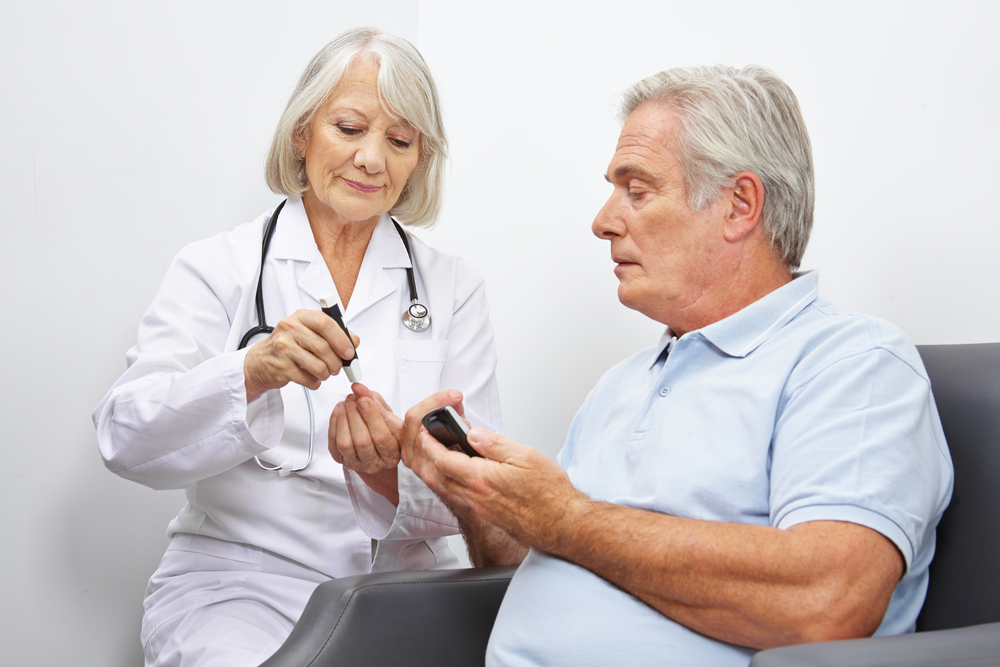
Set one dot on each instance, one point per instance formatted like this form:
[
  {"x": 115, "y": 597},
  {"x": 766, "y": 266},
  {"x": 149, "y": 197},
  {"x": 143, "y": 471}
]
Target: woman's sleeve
[
  {"x": 179, "y": 413},
  {"x": 470, "y": 367}
]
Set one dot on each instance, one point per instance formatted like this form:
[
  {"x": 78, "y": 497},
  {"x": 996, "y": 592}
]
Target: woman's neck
[{"x": 341, "y": 242}]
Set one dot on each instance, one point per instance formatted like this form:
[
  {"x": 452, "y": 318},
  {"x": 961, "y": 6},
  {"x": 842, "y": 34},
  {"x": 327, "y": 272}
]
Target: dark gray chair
[
  {"x": 445, "y": 617},
  {"x": 439, "y": 617}
]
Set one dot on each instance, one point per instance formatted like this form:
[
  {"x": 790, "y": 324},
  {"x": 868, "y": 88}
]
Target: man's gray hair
[
  {"x": 407, "y": 92},
  {"x": 734, "y": 120}
]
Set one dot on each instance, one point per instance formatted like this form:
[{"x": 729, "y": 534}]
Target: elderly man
[{"x": 771, "y": 472}]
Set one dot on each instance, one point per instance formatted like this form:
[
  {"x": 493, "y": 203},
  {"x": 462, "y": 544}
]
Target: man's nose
[{"x": 608, "y": 223}]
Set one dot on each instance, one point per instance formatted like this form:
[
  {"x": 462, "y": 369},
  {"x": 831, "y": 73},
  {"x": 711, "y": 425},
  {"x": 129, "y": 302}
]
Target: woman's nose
[{"x": 370, "y": 155}]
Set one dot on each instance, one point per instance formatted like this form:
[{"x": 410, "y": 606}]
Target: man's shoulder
[{"x": 824, "y": 334}]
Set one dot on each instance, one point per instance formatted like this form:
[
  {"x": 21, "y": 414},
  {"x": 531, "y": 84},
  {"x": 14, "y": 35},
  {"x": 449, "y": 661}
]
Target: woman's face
[{"x": 358, "y": 157}]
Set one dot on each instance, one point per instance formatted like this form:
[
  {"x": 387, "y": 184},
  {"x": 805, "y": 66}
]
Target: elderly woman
[{"x": 217, "y": 403}]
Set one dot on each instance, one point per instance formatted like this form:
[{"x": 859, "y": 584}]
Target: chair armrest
[
  {"x": 977, "y": 645},
  {"x": 435, "y": 617}
]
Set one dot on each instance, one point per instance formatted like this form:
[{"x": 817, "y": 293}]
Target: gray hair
[
  {"x": 739, "y": 120},
  {"x": 407, "y": 92}
]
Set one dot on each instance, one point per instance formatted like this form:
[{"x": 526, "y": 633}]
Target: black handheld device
[{"x": 449, "y": 429}]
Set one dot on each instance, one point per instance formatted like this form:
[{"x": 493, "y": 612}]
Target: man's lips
[{"x": 361, "y": 187}]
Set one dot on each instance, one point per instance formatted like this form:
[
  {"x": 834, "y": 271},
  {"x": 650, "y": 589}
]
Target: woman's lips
[{"x": 361, "y": 187}]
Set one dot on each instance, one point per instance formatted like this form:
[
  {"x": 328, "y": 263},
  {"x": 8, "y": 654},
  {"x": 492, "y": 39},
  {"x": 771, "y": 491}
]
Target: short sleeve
[{"x": 859, "y": 441}]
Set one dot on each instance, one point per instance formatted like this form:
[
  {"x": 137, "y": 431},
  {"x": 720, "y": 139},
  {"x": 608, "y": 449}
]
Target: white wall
[
  {"x": 129, "y": 129},
  {"x": 901, "y": 99}
]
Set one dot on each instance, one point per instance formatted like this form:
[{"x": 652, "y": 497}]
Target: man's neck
[{"x": 750, "y": 282}]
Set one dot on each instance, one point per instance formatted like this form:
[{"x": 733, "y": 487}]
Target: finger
[
  {"x": 346, "y": 442},
  {"x": 446, "y": 472},
  {"x": 293, "y": 345},
  {"x": 382, "y": 401},
  {"x": 274, "y": 362},
  {"x": 339, "y": 343},
  {"x": 322, "y": 336},
  {"x": 360, "y": 390},
  {"x": 492, "y": 446},
  {"x": 412, "y": 424},
  {"x": 332, "y": 433},
  {"x": 384, "y": 442},
  {"x": 361, "y": 439}
]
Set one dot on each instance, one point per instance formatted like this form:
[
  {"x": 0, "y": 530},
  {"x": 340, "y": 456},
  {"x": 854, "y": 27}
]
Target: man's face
[{"x": 665, "y": 253}]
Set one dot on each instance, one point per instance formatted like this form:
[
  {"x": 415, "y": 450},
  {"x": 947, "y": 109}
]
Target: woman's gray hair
[
  {"x": 406, "y": 90},
  {"x": 735, "y": 120}
]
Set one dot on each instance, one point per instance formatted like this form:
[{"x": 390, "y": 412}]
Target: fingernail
[
  {"x": 365, "y": 404},
  {"x": 474, "y": 435},
  {"x": 455, "y": 393}
]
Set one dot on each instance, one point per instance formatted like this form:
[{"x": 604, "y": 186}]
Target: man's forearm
[
  {"x": 749, "y": 585},
  {"x": 490, "y": 546}
]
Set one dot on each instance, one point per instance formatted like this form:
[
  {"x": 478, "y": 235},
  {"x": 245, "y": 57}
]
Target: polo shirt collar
[{"x": 741, "y": 333}]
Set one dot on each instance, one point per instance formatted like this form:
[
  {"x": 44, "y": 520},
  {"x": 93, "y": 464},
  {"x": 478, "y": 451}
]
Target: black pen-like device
[{"x": 351, "y": 366}]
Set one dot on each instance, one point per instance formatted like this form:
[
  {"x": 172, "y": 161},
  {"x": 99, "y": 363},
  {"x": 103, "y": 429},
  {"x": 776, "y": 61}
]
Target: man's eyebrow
[{"x": 627, "y": 171}]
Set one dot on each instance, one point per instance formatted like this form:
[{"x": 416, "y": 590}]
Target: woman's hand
[
  {"x": 306, "y": 348},
  {"x": 363, "y": 437}
]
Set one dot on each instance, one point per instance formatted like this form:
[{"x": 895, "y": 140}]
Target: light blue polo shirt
[{"x": 789, "y": 411}]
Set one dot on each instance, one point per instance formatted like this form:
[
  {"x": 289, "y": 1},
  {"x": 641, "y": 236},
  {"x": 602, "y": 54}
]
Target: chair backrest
[
  {"x": 419, "y": 619},
  {"x": 965, "y": 575}
]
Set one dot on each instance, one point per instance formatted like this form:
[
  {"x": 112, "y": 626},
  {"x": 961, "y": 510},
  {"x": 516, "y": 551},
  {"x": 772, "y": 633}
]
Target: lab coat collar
[{"x": 293, "y": 239}]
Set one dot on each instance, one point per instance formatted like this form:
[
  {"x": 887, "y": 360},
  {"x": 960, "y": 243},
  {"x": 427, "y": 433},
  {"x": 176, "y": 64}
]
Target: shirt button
[{"x": 664, "y": 391}]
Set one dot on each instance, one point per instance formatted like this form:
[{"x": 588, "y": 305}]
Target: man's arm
[
  {"x": 490, "y": 546},
  {"x": 748, "y": 585}
]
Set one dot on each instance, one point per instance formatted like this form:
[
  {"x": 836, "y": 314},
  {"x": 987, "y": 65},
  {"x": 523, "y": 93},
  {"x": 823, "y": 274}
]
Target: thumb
[{"x": 491, "y": 445}]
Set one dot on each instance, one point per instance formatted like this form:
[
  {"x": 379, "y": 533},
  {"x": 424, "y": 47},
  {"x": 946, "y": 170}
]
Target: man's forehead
[{"x": 645, "y": 143}]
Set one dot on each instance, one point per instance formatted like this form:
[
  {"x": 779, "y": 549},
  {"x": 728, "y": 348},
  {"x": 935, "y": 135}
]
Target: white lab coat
[{"x": 178, "y": 417}]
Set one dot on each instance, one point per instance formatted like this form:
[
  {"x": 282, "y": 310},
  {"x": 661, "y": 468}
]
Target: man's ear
[{"x": 746, "y": 203}]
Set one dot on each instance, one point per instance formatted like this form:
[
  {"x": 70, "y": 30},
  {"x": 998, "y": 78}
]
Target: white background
[{"x": 128, "y": 129}]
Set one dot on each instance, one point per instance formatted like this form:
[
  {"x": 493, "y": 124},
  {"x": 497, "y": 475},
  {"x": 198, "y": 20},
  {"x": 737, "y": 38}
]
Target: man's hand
[
  {"x": 480, "y": 492},
  {"x": 749, "y": 585}
]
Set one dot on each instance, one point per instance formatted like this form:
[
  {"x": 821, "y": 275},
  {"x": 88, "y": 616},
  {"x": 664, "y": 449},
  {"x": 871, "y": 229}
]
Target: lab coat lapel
[{"x": 294, "y": 240}]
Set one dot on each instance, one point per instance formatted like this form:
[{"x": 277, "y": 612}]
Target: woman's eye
[
  {"x": 347, "y": 129},
  {"x": 401, "y": 143}
]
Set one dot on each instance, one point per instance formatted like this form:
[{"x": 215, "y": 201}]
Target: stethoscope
[{"x": 415, "y": 318}]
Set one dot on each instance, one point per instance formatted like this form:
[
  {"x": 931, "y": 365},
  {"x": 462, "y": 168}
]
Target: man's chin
[{"x": 628, "y": 297}]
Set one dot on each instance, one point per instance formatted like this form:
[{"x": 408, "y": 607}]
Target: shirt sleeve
[
  {"x": 179, "y": 413},
  {"x": 860, "y": 441}
]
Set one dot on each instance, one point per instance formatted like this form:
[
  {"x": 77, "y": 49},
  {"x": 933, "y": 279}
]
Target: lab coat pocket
[{"x": 420, "y": 364}]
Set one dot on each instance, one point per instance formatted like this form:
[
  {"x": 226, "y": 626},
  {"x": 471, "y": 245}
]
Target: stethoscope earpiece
[{"x": 416, "y": 317}]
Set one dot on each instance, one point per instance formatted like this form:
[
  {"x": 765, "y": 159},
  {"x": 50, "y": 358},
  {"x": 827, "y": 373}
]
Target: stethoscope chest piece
[{"x": 416, "y": 317}]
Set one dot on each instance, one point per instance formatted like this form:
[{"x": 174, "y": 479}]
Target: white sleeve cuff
[{"x": 420, "y": 514}]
